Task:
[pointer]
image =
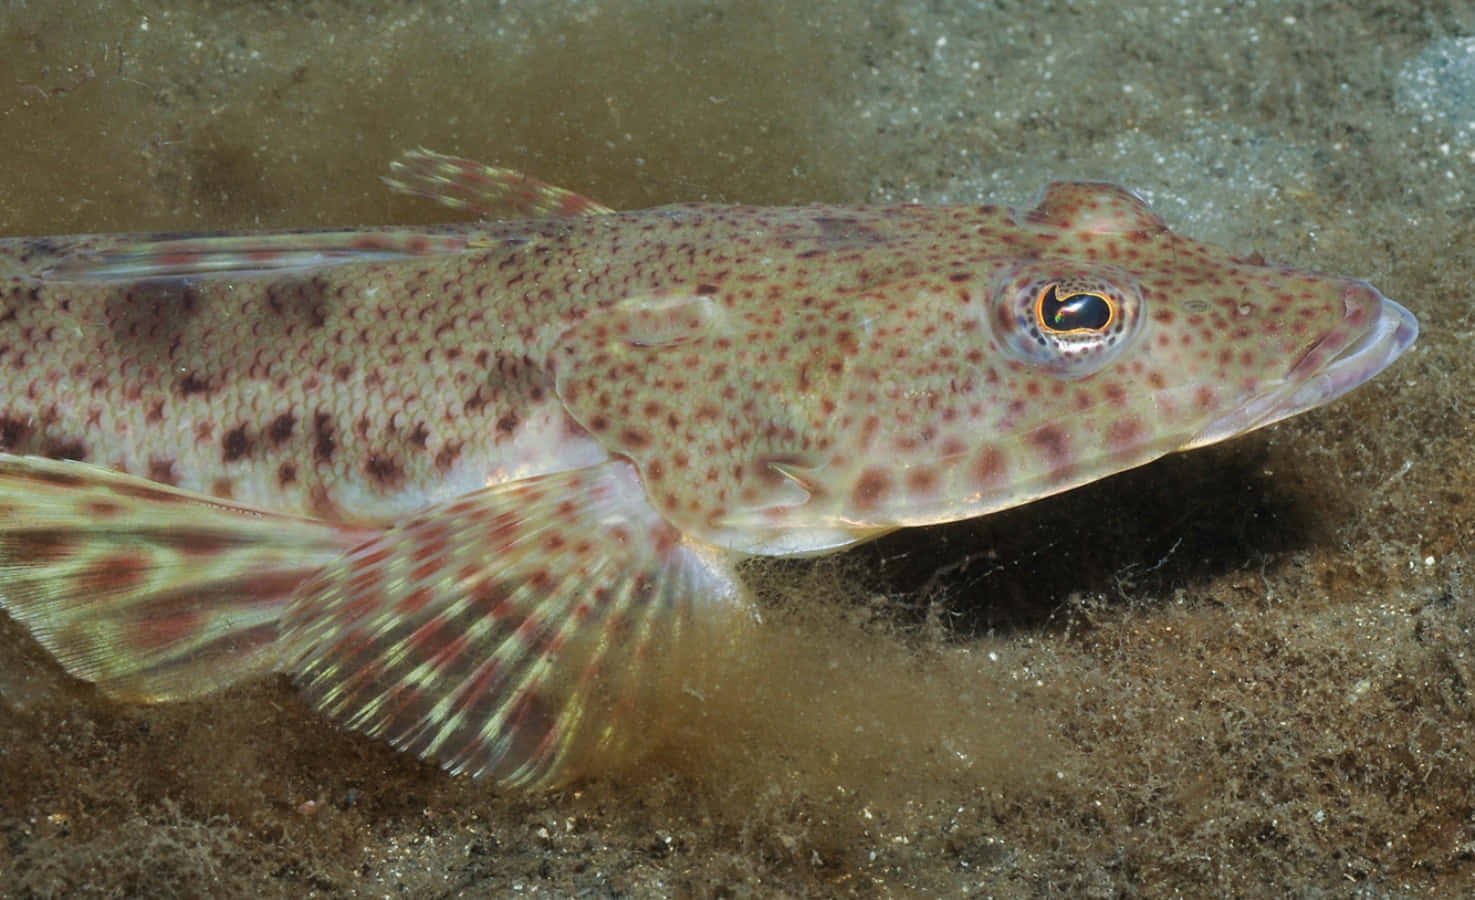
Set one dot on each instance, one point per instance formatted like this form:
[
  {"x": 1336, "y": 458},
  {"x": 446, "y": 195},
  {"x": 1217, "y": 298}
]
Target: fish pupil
[{"x": 1076, "y": 312}]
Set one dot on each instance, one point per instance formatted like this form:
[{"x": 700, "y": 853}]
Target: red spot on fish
[
  {"x": 423, "y": 637},
  {"x": 426, "y": 570},
  {"x": 281, "y": 428},
  {"x": 921, "y": 481},
  {"x": 103, "y": 509},
  {"x": 324, "y": 444},
  {"x": 1054, "y": 443},
  {"x": 871, "y": 489},
  {"x": 476, "y": 689},
  {"x": 387, "y": 472},
  {"x": 66, "y": 449},
  {"x": 163, "y": 631},
  {"x": 39, "y": 546},
  {"x": 433, "y": 540},
  {"x": 116, "y": 572},
  {"x": 991, "y": 466},
  {"x": 414, "y": 601},
  {"x": 1124, "y": 434},
  {"x": 665, "y": 539},
  {"x": 200, "y": 544},
  {"x": 162, "y": 470},
  {"x": 190, "y": 384},
  {"x": 448, "y": 456},
  {"x": 235, "y": 444}
]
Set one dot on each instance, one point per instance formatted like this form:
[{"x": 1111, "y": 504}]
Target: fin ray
[
  {"x": 489, "y": 192},
  {"x": 152, "y": 592},
  {"x": 242, "y": 255},
  {"x": 526, "y": 632}
]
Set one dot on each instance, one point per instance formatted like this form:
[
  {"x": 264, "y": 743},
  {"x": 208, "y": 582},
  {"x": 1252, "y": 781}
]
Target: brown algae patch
[{"x": 818, "y": 703}]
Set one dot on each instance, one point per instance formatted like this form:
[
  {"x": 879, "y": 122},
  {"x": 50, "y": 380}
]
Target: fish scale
[{"x": 480, "y": 489}]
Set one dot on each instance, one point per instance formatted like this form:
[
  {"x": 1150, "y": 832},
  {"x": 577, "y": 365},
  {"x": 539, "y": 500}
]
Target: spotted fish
[{"x": 477, "y": 488}]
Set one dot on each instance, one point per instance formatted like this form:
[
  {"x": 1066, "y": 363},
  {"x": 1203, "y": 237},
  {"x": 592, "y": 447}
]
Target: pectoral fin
[
  {"x": 527, "y": 632},
  {"x": 154, "y": 593}
]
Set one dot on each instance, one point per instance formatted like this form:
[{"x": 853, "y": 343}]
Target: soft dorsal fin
[
  {"x": 249, "y": 254},
  {"x": 486, "y": 191},
  {"x": 461, "y": 184}
]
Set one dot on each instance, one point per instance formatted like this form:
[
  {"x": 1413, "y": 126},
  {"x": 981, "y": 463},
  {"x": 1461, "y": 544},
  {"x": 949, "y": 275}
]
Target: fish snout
[{"x": 1373, "y": 332}]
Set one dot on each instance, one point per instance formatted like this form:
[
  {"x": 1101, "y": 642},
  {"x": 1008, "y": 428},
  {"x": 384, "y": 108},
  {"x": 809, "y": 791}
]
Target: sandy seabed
[{"x": 1241, "y": 671}]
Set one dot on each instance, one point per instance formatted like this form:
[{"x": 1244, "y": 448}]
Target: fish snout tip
[
  {"x": 1374, "y": 332},
  {"x": 1395, "y": 328}
]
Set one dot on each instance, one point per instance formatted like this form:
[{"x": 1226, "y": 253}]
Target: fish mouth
[{"x": 1320, "y": 378}]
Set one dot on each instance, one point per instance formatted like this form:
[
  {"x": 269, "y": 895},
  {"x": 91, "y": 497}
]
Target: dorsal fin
[
  {"x": 1096, "y": 207},
  {"x": 486, "y": 191},
  {"x": 247, "y": 254}
]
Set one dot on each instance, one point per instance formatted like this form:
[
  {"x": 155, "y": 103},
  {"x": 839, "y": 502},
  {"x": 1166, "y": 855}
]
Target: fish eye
[
  {"x": 1066, "y": 317},
  {"x": 1080, "y": 311}
]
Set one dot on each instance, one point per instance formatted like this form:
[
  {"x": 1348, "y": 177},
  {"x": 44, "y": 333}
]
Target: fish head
[
  {"x": 1103, "y": 341},
  {"x": 1173, "y": 344},
  {"x": 949, "y": 362}
]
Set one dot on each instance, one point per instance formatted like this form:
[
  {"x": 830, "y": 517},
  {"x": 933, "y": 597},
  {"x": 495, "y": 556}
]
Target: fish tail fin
[
  {"x": 151, "y": 592},
  {"x": 529, "y": 632},
  {"x": 486, "y": 191}
]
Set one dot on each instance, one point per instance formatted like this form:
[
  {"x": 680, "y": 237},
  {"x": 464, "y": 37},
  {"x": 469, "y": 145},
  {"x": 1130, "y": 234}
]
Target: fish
[{"x": 480, "y": 489}]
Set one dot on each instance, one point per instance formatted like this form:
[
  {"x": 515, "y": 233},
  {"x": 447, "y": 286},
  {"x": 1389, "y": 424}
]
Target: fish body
[{"x": 473, "y": 487}]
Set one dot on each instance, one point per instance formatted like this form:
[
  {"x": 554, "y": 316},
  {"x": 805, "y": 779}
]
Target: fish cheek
[{"x": 643, "y": 378}]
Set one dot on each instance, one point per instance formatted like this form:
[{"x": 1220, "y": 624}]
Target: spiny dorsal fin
[{"x": 489, "y": 192}]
